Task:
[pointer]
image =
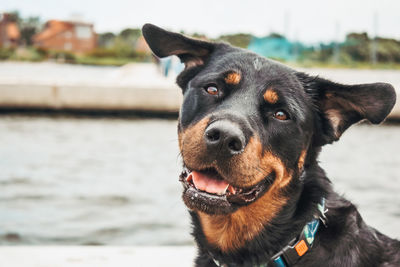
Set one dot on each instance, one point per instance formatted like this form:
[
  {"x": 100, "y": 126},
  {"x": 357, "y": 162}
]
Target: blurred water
[{"x": 114, "y": 181}]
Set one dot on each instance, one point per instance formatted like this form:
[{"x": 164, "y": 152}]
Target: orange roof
[
  {"x": 12, "y": 31},
  {"x": 53, "y": 27}
]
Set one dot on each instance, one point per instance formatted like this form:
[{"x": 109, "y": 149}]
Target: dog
[{"x": 250, "y": 130}]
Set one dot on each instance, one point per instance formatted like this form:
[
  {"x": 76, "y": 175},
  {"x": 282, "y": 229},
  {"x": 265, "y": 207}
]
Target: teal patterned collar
[
  {"x": 297, "y": 247},
  {"x": 290, "y": 254}
]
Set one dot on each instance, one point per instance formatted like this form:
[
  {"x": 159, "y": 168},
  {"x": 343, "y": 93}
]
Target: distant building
[
  {"x": 78, "y": 37},
  {"x": 9, "y": 32},
  {"x": 273, "y": 47}
]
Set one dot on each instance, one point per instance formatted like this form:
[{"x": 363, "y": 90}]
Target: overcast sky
[{"x": 305, "y": 20}]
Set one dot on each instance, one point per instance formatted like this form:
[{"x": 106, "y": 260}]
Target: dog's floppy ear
[
  {"x": 163, "y": 43},
  {"x": 340, "y": 105}
]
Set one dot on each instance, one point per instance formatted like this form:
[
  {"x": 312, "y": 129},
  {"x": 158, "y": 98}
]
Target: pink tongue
[{"x": 208, "y": 184}]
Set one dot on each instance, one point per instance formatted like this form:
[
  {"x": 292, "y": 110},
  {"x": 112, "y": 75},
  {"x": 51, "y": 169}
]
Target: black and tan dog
[{"x": 250, "y": 130}]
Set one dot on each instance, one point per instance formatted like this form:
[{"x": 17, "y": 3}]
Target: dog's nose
[{"x": 225, "y": 137}]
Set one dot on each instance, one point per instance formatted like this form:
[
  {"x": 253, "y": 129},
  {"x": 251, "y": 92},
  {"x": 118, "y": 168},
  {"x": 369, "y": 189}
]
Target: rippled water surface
[{"x": 114, "y": 181}]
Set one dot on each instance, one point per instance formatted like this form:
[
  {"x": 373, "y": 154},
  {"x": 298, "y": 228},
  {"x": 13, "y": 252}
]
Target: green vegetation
[
  {"x": 6, "y": 53},
  {"x": 116, "y": 50},
  {"x": 105, "y": 61},
  {"x": 352, "y": 65},
  {"x": 357, "y": 51},
  {"x": 97, "y": 57},
  {"x": 240, "y": 39},
  {"x": 28, "y": 26}
]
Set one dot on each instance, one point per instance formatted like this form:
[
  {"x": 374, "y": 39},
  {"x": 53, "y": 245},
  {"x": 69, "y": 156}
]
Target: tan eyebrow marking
[
  {"x": 271, "y": 96},
  {"x": 233, "y": 78}
]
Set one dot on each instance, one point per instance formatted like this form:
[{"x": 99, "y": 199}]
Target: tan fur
[
  {"x": 191, "y": 144},
  {"x": 254, "y": 164},
  {"x": 271, "y": 96},
  {"x": 193, "y": 63},
  {"x": 243, "y": 170},
  {"x": 335, "y": 117},
  {"x": 230, "y": 232},
  {"x": 233, "y": 78},
  {"x": 302, "y": 158},
  {"x": 335, "y": 105}
]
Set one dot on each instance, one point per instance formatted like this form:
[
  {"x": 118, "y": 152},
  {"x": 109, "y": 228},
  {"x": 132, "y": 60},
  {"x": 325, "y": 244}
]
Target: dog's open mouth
[{"x": 208, "y": 191}]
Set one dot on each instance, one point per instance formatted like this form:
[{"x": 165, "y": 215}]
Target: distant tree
[
  {"x": 28, "y": 28},
  {"x": 276, "y": 35},
  {"x": 239, "y": 39},
  {"x": 360, "y": 37},
  {"x": 14, "y": 16},
  {"x": 130, "y": 34},
  {"x": 118, "y": 46},
  {"x": 388, "y": 50},
  {"x": 325, "y": 52},
  {"x": 106, "y": 39},
  {"x": 199, "y": 36},
  {"x": 357, "y": 46}
]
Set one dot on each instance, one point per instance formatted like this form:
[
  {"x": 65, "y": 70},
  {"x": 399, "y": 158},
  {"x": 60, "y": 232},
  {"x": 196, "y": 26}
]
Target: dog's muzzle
[{"x": 224, "y": 138}]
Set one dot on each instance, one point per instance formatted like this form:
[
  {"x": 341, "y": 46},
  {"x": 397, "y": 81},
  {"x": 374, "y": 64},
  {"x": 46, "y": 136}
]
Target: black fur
[{"x": 319, "y": 111}]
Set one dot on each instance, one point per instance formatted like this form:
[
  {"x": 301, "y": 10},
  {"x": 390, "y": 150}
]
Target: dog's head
[{"x": 247, "y": 124}]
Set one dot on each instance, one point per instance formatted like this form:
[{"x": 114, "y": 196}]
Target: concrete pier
[
  {"x": 51, "y": 86},
  {"x": 134, "y": 87},
  {"x": 89, "y": 97}
]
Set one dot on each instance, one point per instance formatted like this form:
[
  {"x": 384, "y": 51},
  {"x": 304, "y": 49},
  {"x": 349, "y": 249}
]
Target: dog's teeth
[
  {"x": 186, "y": 170},
  {"x": 226, "y": 189},
  {"x": 189, "y": 178},
  {"x": 231, "y": 189}
]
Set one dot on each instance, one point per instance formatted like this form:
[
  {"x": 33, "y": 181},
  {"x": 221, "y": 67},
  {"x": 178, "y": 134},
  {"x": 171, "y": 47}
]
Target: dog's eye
[
  {"x": 281, "y": 115},
  {"x": 212, "y": 89}
]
